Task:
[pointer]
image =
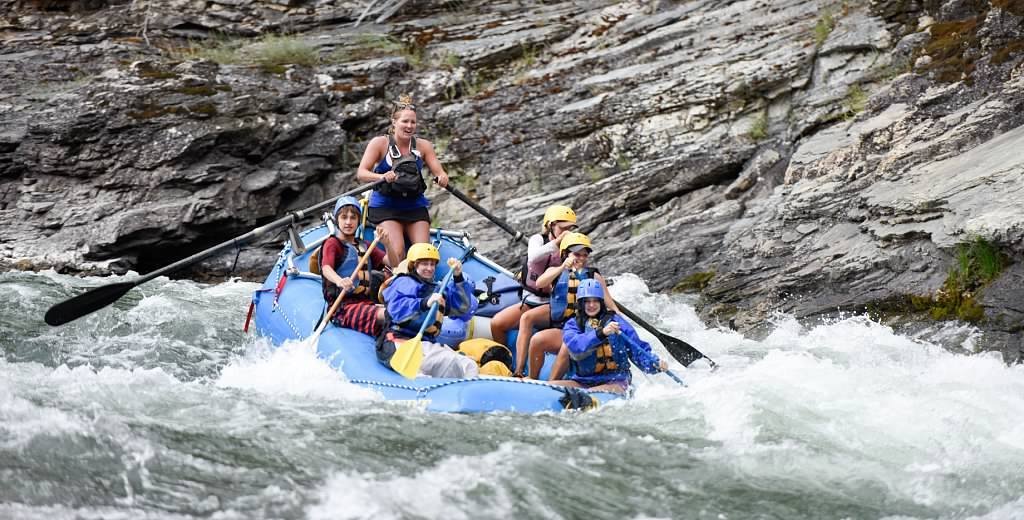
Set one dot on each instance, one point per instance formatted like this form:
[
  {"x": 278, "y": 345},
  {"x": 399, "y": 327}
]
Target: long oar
[
  {"x": 99, "y": 297},
  {"x": 409, "y": 355},
  {"x": 337, "y": 301},
  {"x": 684, "y": 352}
]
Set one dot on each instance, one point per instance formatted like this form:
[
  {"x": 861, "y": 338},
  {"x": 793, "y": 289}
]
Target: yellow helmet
[
  {"x": 573, "y": 238},
  {"x": 422, "y": 252},
  {"x": 558, "y": 213}
]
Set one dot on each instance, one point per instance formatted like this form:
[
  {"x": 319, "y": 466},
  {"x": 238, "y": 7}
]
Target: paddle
[
  {"x": 679, "y": 349},
  {"x": 632, "y": 344},
  {"x": 99, "y": 297},
  {"x": 677, "y": 378},
  {"x": 337, "y": 301},
  {"x": 409, "y": 356}
]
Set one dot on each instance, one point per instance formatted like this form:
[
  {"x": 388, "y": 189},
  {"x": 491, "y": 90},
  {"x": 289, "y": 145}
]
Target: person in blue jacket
[
  {"x": 407, "y": 300},
  {"x": 597, "y": 350}
]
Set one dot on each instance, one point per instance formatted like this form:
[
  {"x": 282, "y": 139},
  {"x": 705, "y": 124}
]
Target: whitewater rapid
[{"x": 161, "y": 407}]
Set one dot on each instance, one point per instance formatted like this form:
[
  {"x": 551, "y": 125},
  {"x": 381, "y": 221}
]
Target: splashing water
[{"x": 160, "y": 407}]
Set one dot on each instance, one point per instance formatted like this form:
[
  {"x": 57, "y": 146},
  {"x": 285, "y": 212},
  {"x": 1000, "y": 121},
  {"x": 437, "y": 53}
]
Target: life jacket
[
  {"x": 530, "y": 272},
  {"x": 409, "y": 183},
  {"x": 610, "y": 360},
  {"x": 361, "y": 286},
  {"x": 563, "y": 295},
  {"x": 410, "y": 329},
  {"x": 493, "y": 358}
]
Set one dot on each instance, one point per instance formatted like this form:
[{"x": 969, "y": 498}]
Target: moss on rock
[
  {"x": 977, "y": 263},
  {"x": 696, "y": 282}
]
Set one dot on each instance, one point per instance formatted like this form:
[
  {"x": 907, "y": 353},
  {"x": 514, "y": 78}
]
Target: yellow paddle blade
[{"x": 409, "y": 357}]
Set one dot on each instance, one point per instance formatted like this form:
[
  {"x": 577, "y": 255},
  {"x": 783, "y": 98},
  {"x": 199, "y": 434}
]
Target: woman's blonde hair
[{"x": 404, "y": 103}]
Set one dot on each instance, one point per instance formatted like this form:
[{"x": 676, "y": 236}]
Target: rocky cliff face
[{"x": 808, "y": 157}]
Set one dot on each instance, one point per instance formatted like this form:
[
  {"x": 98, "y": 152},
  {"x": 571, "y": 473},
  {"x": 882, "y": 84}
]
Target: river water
[{"x": 160, "y": 407}]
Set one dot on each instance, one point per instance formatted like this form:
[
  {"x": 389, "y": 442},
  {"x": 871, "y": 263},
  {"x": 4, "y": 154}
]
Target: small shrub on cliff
[
  {"x": 856, "y": 100},
  {"x": 759, "y": 128},
  {"x": 275, "y": 51},
  {"x": 226, "y": 51},
  {"x": 977, "y": 263},
  {"x": 826, "y": 22}
]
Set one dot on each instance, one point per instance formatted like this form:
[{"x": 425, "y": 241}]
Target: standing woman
[{"x": 399, "y": 205}]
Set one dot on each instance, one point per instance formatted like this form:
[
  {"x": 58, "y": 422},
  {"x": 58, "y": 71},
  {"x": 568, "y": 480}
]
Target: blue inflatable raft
[{"x": 290, "y": 304}]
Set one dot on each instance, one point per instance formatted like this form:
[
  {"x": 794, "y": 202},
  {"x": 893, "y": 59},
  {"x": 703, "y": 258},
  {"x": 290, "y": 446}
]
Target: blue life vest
[
  {"x": 608, "y": 362},
  {"x": 345, "y": 270},
  {"x": 563, "y": 295}
]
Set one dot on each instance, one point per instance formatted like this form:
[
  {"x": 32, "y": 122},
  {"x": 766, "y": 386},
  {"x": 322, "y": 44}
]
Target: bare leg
[
  {"x": 536, "y": 317},
  {"x": 548, "y": 340},
  {"x": 561, "y": 364},
  {"x": 395, "y": 242},
  {"x": 418, "y": 232},
  {"x": 566, "y": 382},
  {"x": 506, "y": 320},
  {"x": 613, "y": 388}
]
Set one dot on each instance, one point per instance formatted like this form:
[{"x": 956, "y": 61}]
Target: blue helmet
[
  {"x": 453, "y": 332},
  {"x": 348, "y": 201},
  {"x": 589, "y": 288}
]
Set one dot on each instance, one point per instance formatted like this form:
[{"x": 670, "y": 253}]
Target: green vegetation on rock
[
  {"x": 977, "y": 263},
  {"x": 273, "y": 50},
  {"x": 856, "y": 100},
  {"x": 826, "y": 22},
  {"x": 759, "y": 129},
  {"x": 696, "y": 282}
]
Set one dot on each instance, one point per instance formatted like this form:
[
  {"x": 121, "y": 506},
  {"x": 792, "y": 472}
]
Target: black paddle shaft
[
  {"x": 516, "y": 235},
  {"x": 99, "y": 297},
  {"x": 679, "y": 349}
]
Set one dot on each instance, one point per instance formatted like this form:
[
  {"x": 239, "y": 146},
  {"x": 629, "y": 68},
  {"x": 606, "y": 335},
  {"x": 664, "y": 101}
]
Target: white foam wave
[
  {"x": 849, "y": 405},
  {"x": 293, "y": 369},
  {"x": 852, "y": 400},
  {"x": 452, "y": 489},
  {"x": 21, "y": 420}
]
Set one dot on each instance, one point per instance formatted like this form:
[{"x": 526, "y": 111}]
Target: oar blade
[
  {"x": 85, "y": 303},
  {"x": 681, "y": 350},
  {"x": 409, "y": 357}
]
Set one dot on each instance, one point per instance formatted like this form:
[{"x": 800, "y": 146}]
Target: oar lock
[{"x": 293, "y": 235}]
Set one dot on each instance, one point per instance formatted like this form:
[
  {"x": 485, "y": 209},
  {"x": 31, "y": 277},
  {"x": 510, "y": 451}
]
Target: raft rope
[{"x": 422, "y": 391}]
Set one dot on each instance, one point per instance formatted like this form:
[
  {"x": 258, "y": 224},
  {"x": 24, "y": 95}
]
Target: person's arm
[
  {"x": 458, "y": 296},
  {"x": 426, "y": 149},
  {"x": 403, "y": 301},
  {"x": 608, "y": 301},
  {"x": 536, "y": 248},
  {"x": 639, "y": 350},
  {"x": 375, "y": 150},
  {"x": 547, "y": 280},
  {"x": 578, "y": 342}
]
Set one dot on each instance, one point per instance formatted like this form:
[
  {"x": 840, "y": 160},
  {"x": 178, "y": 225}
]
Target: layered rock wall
[{"x": 805, "y": 157}]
